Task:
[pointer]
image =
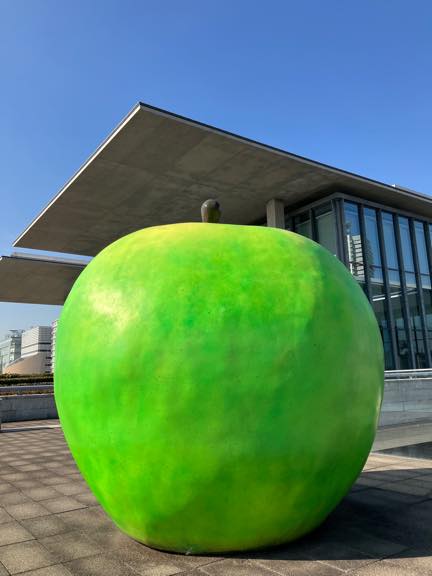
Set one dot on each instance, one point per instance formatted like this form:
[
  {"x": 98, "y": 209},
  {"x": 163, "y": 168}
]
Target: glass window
[
  {"x": 427, "y": 299},
  {"x": 421, "y": 247},
  {"x": 303, "y": 225},
  {"x": 400, "y": 331},
  {"x": 354, "y": 240},
  {"x": 379, "y": 306},
  {"x": 407, "y": 255},
  {"x": 372, "y": 241},
  {"x": 389, "y": 241},
  {"x": 326, "y": 227}
]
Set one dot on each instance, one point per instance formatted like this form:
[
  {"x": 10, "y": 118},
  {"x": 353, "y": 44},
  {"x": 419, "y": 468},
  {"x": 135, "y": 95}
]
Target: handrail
[{"x": 408, "y": 374}]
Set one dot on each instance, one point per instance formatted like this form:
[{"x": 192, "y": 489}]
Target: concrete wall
[
  {"x": 27, "y": 407},
  {"x": 406, "y": 401}
]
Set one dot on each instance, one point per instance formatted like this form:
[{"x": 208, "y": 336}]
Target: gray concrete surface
[
  {"x": 51, "y": 525},
  {"x": 406, "y": 401},
  {"x": 27, "y": 407},
  {"x": 403, "y": 435},
  {"x": 36, "y": 281},
  {"x": 157, "y": 168}
]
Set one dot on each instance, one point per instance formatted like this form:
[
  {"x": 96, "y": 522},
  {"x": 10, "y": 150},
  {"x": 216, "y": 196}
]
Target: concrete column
[{"x": 275, "y": 213}]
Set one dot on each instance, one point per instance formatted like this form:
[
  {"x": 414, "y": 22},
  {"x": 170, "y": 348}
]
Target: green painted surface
[{"x": 219, "y": 386}]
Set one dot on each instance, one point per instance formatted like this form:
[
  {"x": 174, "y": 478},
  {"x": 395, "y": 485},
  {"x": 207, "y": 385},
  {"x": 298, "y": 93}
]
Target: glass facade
[{"x": 389, "y": 254}]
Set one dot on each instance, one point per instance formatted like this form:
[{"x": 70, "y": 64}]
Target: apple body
[{"x": 219, "y": 386}]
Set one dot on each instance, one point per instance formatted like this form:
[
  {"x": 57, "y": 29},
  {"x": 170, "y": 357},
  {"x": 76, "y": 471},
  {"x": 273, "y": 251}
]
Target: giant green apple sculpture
[{"x": 219, "y": 386}]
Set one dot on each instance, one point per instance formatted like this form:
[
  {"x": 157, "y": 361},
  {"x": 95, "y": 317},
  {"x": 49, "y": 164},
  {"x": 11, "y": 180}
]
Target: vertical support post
[{"x": 275, "y": 210}]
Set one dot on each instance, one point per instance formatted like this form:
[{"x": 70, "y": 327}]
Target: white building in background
[
  {"x": 53, "y": 343},
  {"x": 10, "y": 348},
  {"x": 35, "y": 352}
]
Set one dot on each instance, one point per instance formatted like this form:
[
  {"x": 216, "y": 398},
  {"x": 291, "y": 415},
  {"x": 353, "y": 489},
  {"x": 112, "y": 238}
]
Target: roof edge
[{"x": 81, "y": 169}]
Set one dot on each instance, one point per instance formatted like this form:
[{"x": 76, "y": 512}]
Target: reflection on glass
[
  {"x": 354, "y": 240},
  {"x": 389, "y": 241},
  {"x": 414, "y": 309},
  {"x": 303, "y": 225},
  {"x": 372, "y": 246},
  {"x": 380, "y": 309},
  {"x": 407, "y": 255},
  {"x": 421, "y": 248},
  {"x": 326, "y": 227},
  {"x": 400, "y": 331},
  {"x": 425, "y": 279},
  {"x": 396, "y": 300}
]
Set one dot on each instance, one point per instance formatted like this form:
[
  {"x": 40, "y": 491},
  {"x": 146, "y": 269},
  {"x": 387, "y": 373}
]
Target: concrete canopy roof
[
  {"x": 36, "y": 281},
  {"x": 157, "y": 168}
]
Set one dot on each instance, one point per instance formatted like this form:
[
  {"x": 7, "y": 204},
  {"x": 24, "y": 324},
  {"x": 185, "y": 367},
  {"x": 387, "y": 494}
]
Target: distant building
[
  {"x": 10, "y": 348},
  {"x": 35, "y": 352},
  {"x": 53, "y": 343}
]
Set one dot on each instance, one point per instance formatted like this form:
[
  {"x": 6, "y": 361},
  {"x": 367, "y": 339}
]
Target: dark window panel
[
  {"x": 325, "y": 224},
  {"x": 421, "y": 247},
  {"x": 407, "y": 254},
  {"x": 354, "y": 241},
  {"x": 390, "y": 241},
  {"x": 303, "y": 225},
  {"x": 380, "y": 308},
  {"x": 372, "y": 241}
]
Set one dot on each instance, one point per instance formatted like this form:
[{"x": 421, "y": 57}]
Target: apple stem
[{"x": 210, "y": 211}]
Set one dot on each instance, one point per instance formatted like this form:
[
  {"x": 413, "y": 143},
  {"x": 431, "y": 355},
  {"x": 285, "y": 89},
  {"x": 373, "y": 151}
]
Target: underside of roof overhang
[
  {"x": 36, "y": 281},
  {"x": 157, "y": 168}
]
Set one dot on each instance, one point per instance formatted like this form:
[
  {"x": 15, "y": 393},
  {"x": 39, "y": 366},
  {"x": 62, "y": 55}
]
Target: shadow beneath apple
[{"x": 388, "y": 513}]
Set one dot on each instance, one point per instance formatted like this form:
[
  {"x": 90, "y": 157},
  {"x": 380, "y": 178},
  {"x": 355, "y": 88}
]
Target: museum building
[{"x": 157, "y": 168}]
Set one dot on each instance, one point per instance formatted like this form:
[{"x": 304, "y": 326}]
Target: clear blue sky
[{"x": 345, "y": 82}]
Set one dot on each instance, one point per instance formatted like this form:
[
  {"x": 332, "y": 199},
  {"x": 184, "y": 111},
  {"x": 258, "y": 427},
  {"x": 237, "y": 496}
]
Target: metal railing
[
  {"x": 408, "y": 374},
  {"x": 31, "y": 388}
]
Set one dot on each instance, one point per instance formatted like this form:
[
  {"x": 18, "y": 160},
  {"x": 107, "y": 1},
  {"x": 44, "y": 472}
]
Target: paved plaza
[{"x": 51, "y": 525}]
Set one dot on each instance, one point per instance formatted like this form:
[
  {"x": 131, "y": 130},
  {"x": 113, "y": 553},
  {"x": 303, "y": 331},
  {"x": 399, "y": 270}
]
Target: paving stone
[
  {"x": 24, "y": 485},
  {"x": 339, "y": 555},
  {"x": 53, "y": 480},
  {"x": 41, "y": 493},
  {"x": 99, "y": 566},
  {"x": 26, "y": 510},
  {"x": 149, "y": 568},
  {"x": 6, "y": 487},
  {"x": 235, "y": 567},
  {"x": 258, "y": 568},
  {"x": 11, "y": 498},
  {"x": 25, "y": 556},
  {"x": 12, "y": 476},
  {"x": 406, "y": 488},
  {"x": 86, "y": 519},
  {"x": 45, "y": 526},
  {"x": 4, "y": 516},
  {"x": 13, "y": 532},
  {"x": 70, "y": 546},
  {"x": 62, "y": 504},
  {"x": 384, "y": 569},
  {"x": 3, "y": 571},
  {"x": 86, "y": 498},
  {"x": 54, "y": 570},
  {"x": 370, "y": 544},
  {"x": 71, "y": 488}
]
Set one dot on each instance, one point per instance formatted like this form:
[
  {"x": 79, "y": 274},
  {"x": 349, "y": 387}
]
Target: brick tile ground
[{"x": 51, "y": 525}]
